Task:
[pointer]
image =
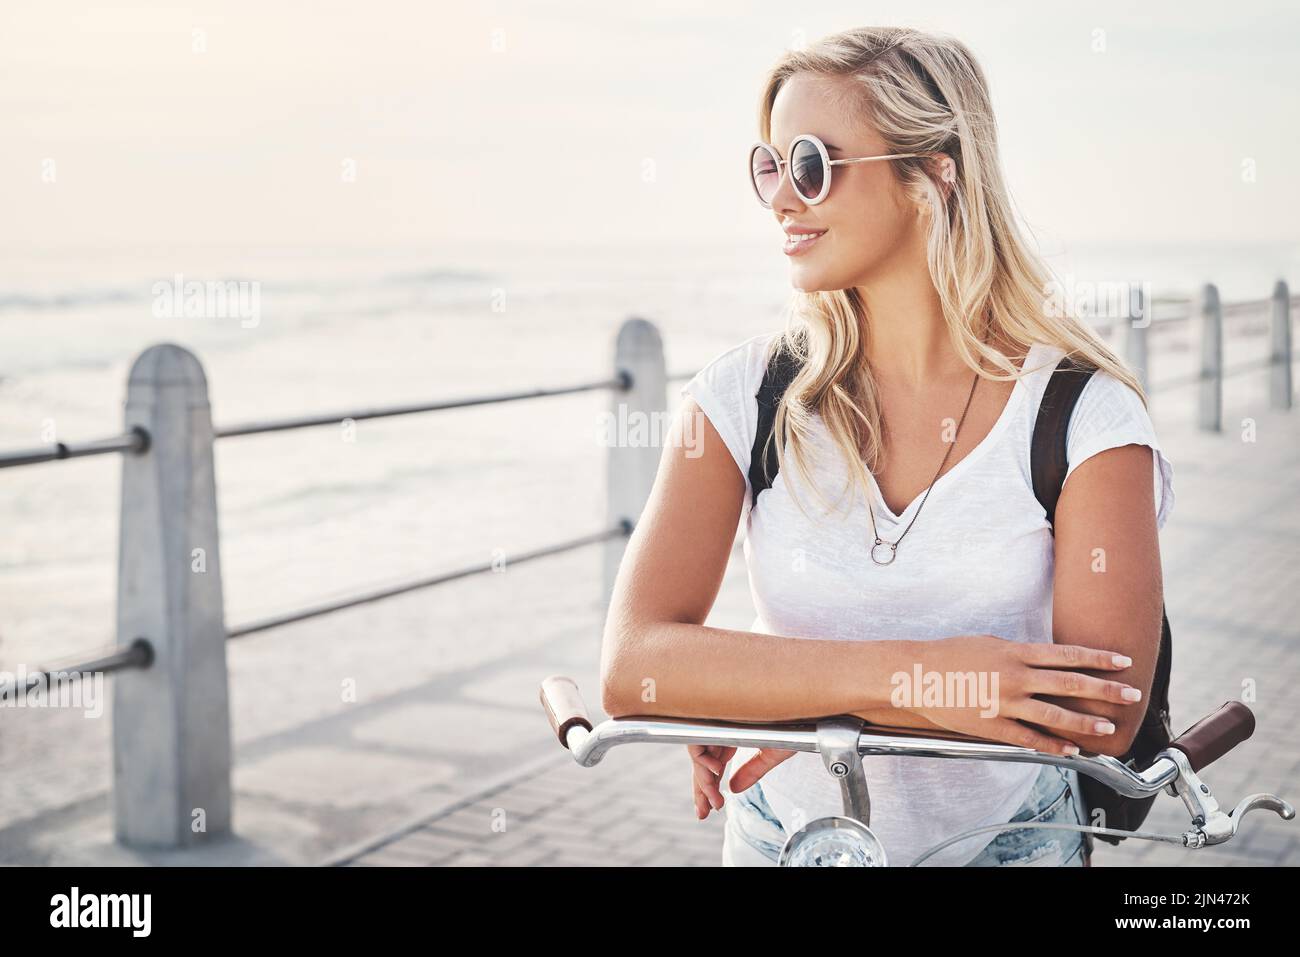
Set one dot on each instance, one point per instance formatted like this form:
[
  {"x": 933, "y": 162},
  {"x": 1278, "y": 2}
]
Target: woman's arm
[
  {"x": 657, "y": 656},
  {"x": 1107, "y": 588}
]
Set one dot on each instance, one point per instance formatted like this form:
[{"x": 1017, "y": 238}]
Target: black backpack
[{"x": 1048, "y": 465}]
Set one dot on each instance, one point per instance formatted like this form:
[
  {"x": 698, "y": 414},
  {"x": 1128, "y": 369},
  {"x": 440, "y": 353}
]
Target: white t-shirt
[{"x": 979, "y": 560}]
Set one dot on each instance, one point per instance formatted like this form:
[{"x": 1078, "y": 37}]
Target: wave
[
  {"x": 441, "y": 275},
  {"x": 19, "y": 302},
  {"x": 143, "y": 291}
]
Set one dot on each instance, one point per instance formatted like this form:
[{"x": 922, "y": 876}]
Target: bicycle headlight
[{"x": 833, "y": 842}]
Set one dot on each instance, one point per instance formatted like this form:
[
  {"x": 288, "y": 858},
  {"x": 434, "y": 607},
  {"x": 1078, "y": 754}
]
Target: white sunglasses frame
[{"x": 827, "y": 163}]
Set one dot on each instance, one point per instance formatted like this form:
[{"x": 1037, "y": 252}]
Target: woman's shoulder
[
  {"x": 726, "y": 391},
  {"x": 737, "y": 371},
  {"x": 747, "y": 355},
  {"x": 1110, "y": 413},
  {"x": 1104, "y": 392},
  {"x": 1106, "y": 399}
]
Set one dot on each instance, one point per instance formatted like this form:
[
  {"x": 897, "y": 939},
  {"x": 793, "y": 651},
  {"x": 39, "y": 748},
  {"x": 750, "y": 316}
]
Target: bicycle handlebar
[
  {"x": 1214, "y": 735},
  {"x": 564, "y": 706},
  {"x": 1203, "y": 743},
  {"x": 568, "y": 718}
]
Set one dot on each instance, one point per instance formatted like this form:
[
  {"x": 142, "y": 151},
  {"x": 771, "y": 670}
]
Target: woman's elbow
[
  {"x": 620, "y": 694},
  {"x": 613, "y": 695},
  {"x": 1115, "y": 745},
  {"x": 619, "y": 690},
  {"x": 1126, "y": 720}
]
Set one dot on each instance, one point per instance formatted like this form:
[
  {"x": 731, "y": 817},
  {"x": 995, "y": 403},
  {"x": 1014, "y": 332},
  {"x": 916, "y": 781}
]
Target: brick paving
[
  {"x": 632, "y": 809},
  {"x": 1232, "y": 577}
]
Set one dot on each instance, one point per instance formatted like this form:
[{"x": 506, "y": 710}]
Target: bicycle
[{"x": 846, "y": 840}]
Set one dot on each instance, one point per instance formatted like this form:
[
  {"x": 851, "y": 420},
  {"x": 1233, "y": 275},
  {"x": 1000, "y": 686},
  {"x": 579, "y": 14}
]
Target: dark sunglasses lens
[
  {"x": 807, "y": 169},
  {"x": 767, "y": 175}
]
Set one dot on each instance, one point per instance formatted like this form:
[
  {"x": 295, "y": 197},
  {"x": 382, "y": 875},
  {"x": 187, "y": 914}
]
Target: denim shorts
[{"x": 754, "y": 836}]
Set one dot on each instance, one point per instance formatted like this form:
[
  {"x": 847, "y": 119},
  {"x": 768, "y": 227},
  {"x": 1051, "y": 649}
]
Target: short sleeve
[
  {"x": 1110, "y": 414},
  {"x": 726, "y": 389}
]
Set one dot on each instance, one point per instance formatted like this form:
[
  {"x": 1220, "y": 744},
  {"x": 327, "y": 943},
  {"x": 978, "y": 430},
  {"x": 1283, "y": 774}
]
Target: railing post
[
  {"x": 1279, "y": 376},
  {"x": 1135, "y": 339},
  {"x": 633, "y": 457},
  {"x": 1210, "y": 416},
  {"x": 171, "y": 721}
]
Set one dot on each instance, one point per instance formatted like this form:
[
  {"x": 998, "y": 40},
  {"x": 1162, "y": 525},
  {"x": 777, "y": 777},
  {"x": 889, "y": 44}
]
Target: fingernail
[
  {"x": 1105, "y": 727},
  {"x": 1122, "y": 661},
  {"x": 1131, "y": 694},
  {"x": 1071, "y": 749}
]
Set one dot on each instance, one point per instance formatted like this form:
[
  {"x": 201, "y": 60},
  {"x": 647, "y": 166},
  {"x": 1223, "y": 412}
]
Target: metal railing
[
  {"x": 171, "y": 704},
  {"x": 171, "y": 721},
  {"x": 137, "y": 440}
]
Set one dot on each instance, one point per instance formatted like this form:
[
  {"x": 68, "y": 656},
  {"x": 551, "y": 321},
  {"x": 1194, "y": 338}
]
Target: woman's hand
[
  {"x": 1012, "y": 714},
  {"x": 707, "y": 765},
  {"x": 748, "y": 773}
]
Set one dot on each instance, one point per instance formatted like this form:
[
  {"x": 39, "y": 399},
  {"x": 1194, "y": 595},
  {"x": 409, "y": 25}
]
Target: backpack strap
[
  {"x": 763, "y": 465},
  {"x": 1048, "y": 456}
]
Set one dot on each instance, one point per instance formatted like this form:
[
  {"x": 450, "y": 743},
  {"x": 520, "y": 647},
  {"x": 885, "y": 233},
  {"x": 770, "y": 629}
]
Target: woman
[{"x": 924, "y": 341}]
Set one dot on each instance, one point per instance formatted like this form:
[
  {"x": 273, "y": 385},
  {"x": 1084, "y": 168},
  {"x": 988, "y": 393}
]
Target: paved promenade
[
  {"x": 447, "y": 759},
  {"x": 1232, "y": 585}
]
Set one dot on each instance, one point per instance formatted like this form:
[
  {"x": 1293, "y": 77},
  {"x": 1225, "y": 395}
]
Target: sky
[{"x": 389, "y": 123}]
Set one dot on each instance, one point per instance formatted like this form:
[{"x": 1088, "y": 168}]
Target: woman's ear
[{"x": 944, "y": 170}]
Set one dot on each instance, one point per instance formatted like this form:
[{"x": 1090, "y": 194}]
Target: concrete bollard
[
  {"x": 631, "y": 468},
  {"x": 171, "y": 722},
  {"x": 1210, "y": 408},
  {"x": 1279, "y": 374}
]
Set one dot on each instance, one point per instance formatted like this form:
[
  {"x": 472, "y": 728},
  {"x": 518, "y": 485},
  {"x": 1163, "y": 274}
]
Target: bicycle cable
[{"x": 1082, "y": 828}]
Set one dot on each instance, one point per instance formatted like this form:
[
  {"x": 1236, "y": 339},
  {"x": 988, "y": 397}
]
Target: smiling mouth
[{"x": 797, "y": 244}]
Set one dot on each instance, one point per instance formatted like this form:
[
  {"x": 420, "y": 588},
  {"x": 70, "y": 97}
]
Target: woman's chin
[{"x": 810, "y": 280}]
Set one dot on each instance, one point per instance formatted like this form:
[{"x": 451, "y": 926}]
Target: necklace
[{"x": 883, "y": 552}]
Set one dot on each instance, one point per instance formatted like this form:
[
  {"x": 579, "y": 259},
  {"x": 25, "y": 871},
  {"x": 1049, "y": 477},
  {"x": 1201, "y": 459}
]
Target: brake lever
[
  {"x": 1210, "y": 824},
  {"x": 1219, "y": 827},
  {"x": 1267, "y": 802}
]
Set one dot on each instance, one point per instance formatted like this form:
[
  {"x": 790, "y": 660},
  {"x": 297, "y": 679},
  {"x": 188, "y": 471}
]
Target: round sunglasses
[{"x": 810, "y": 168}]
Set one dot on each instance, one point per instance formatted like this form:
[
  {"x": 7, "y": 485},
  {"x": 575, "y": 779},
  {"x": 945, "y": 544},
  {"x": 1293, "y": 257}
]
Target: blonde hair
[{"x": 922, "y": 93}]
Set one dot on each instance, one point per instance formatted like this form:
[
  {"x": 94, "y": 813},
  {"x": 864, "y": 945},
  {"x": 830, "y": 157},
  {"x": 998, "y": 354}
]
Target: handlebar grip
[
  {"x": 564, "y": 707},
  {"x": 1216, "y": 734}
]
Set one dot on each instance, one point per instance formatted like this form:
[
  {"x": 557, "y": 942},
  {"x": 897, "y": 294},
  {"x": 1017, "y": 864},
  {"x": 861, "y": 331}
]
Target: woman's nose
[{"x": 786, "y": 199}]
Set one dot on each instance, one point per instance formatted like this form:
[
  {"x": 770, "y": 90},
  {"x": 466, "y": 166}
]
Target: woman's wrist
[
  {"x": 897, "y": 718},
  {"x": 880, "y": 663}
]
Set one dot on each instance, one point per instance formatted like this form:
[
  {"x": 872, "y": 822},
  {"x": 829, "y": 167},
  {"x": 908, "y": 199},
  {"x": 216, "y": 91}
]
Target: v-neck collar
[{"x": 1003, "y": 421}]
